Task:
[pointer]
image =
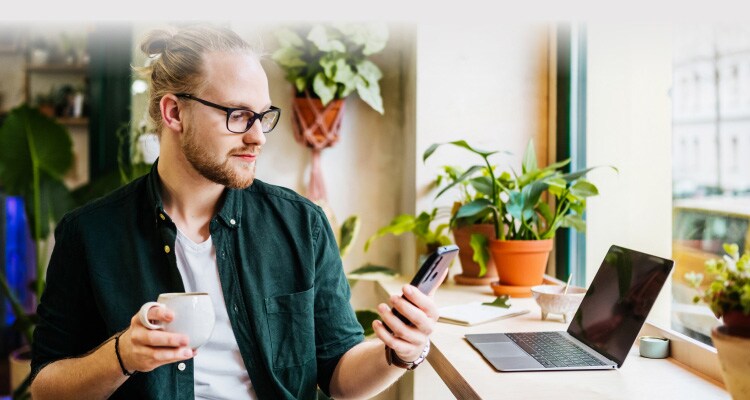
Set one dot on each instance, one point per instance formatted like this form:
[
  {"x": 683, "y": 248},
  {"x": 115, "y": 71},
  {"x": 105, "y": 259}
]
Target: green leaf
[
  {"x": 472, "y": 208},
  {"x": 583, "y": 189},
  {"x": 365, "y": 318},
  {"x": 479, "y": 244},
  {"x": 288, "y": 57},
  {"x": 369, "y": 71},
  {"x": 372, "y": 37},
  {"x": 483, "y": 185},
  {"x": 399, "y": 225},
  {"x": 575, "y": 175},
  {"x": 546, "y": 212},
  {"x": 325, "y": 89},
  {"x": 301, "y": 84},
  {"x": 26, "y": 134},
  {"x": 349, "y": 231},
  {"x": 370, "y": 94},
  {"x": 574, "y": 221},
  {"x": 529, "y": 158},
  {"x": 500, "y": 301},
  {"x": 471, "y": 171},
  {"x": 319, "y": 37},
  {"x": 288, "y": 38}
]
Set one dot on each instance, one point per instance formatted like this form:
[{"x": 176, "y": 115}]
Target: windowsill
[{"x": 692, "y": 370}]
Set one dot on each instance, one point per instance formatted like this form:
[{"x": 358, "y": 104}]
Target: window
[{"x": 711, "y": 180}]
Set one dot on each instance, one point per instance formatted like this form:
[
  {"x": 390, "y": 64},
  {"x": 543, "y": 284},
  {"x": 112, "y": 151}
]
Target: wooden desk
[{"x": 469, "y": 376}]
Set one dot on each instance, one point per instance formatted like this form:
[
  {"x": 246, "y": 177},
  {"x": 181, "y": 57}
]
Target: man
[{"x": 199, "y": 222}]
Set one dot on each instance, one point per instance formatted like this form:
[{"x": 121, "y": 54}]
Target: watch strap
[{"x": 393, "y": 359}]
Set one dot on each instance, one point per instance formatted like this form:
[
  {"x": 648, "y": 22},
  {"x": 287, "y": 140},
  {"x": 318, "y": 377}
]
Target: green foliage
[
  {"x": 349, "y": 231},
  {"x": 480, "y": 244},
  {"x": 516, "y": 202},
  {"x": 331, "y": 61},
  {"x": 420, "y": 226},
  {"x": 729, "y": 289},
  {"x": 365, "y": 318},
  {"x": 501, "y": 301},
  {"x": 35, "y": 154}
]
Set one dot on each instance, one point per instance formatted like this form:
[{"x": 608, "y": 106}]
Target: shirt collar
[{"x": 230, "y": 212}]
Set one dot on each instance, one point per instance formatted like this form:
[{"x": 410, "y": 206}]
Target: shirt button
[
  {"x": 162, "y": 216},
  {"x": 166, "y": 249},
  {"x": 181, "y": 366},
  {"x": 232, "y": 221},
  {"x": 236, "y": 309}
]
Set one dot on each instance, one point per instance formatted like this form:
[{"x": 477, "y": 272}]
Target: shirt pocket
[{"x": 291, "y": 326}]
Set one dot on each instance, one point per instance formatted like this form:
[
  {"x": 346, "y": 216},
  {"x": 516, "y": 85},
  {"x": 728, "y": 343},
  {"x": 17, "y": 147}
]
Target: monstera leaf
[{"x": 35, "y": 153}]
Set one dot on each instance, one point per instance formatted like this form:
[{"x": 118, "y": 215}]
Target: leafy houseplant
[
  {"x": 728, "y": 293},
  {"x": 472, "y": 233},
  {"x": 420, "y": 225},
  {"x": 330, "y": 62},
  {"x": 35, "y": 153},
  {"x": 524, "y": 222},
  {"x": 728, "y": 296},
  {"x": 325, "y": 65}
]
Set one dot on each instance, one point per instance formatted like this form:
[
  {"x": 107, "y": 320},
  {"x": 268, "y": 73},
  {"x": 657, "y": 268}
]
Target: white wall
[
  {"x": 485, "y": 83},
  {"x": 628, "y": 126}
]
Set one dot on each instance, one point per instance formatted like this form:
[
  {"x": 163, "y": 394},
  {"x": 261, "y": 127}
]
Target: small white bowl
[{"x": 552, "y": 300}]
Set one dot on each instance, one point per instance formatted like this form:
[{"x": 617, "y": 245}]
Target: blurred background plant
[{"x": 332, "y": 61}]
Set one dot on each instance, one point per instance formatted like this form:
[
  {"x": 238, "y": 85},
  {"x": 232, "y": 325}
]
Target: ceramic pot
[
  {"x": 470, "y": 268},
  {"x": 734, "y": 356}
]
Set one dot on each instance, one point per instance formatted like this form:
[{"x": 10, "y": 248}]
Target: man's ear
[{"x": 170, "y": 112}]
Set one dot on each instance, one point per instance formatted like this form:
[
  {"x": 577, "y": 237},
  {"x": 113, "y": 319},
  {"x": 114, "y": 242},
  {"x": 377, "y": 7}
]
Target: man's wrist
[
  {"x": 119, "y": 356},
  {"x": 393, "y": 359}
]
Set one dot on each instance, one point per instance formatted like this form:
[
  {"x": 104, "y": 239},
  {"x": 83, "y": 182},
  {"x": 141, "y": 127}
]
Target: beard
[{"x": 216, "y": 170}]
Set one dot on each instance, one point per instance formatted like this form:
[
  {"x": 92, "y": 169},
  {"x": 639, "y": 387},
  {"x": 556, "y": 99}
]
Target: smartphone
[{"x": 430, "y": 275}]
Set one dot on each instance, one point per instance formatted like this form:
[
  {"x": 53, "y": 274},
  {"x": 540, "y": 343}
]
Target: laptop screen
[{"x": 618, "y": 301}]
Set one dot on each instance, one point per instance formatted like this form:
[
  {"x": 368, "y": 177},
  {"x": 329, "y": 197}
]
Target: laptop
[{"x": 603, "y": 329}]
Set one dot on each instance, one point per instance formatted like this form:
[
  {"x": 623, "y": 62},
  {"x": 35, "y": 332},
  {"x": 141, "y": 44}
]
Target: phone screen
[{"x": 431, "y": 274}]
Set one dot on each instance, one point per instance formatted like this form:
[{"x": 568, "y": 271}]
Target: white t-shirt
[{"x": 220, "y": 372}]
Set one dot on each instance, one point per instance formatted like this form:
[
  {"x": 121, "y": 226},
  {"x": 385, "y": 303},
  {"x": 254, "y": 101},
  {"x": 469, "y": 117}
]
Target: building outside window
[{"x": 711, "y": 158}]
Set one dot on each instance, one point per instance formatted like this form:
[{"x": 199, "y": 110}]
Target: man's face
[{"x": 232, "y": 80}]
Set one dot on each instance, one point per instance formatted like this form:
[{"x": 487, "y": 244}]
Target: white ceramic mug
[{"x": 193, "y": 316}]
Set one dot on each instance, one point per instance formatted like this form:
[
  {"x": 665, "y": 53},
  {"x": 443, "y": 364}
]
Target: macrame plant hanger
[{"x": 317, "y": 127}]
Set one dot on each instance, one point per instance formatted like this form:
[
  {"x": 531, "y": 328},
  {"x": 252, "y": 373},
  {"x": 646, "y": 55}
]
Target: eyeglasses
[{"x": 239, "y": 120}]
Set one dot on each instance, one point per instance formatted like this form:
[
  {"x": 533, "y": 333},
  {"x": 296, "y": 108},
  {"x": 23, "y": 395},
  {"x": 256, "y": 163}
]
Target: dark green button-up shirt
[{"x": 284, "y": 287}]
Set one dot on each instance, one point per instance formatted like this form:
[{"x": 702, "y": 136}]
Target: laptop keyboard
[{"x": 553, "y": 350}]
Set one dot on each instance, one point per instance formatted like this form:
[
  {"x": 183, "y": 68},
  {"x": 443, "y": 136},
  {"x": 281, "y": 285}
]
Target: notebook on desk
[
  {"x": 476, "y": 313},
  {"x": 603, "y": 329}
]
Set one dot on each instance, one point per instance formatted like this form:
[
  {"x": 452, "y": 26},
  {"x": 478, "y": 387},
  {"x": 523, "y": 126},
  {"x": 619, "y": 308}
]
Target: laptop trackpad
[{"x": 501, "y": 349}]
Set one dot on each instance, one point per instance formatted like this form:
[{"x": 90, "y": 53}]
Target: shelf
[
  {"x": 58, "y": 68},
  {"x": 73, "y": 121}
]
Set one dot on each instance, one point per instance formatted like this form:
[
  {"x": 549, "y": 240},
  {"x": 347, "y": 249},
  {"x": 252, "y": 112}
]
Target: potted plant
[
  {"x": 728, "y": 296},
  {"x": 472, "y": 233},
  {"x": 35, "y": 153},
  {"x": 523, "y": 220},
  {"x": 326, "y": 64}
]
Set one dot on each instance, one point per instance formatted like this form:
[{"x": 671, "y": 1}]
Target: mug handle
[{"x": 143, "y": 315}]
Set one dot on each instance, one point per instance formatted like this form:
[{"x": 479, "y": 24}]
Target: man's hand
[
  {"x": 143, "y": 349},
  {"x": 407, "y": 341}
]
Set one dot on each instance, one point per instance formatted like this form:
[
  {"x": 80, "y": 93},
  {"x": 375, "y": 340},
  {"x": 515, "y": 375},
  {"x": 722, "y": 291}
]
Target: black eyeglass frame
[{"x": 229, "y": 110}]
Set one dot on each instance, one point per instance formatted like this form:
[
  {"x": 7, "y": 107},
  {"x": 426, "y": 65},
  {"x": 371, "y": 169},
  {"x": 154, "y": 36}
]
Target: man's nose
[{"x": 254, "y": 135}]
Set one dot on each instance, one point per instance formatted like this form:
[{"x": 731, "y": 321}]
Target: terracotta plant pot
[
  {"x": 317, "y": 126},
  {"x": 520, "y": 265},
  {"x": 470, "y": 268},
  {"x": 734, "y": 356}
]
